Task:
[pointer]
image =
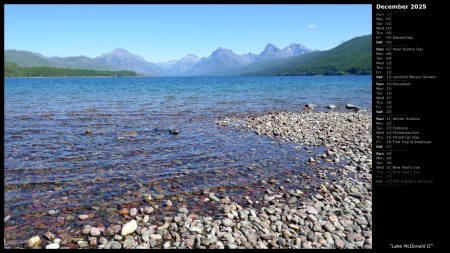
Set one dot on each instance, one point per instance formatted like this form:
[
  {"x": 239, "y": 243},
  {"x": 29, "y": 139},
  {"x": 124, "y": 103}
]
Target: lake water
[{"x": 51, "y": 163}]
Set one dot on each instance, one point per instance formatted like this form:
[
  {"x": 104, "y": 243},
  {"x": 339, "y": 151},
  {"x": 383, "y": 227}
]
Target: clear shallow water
[{"x": 50, "y": 163}]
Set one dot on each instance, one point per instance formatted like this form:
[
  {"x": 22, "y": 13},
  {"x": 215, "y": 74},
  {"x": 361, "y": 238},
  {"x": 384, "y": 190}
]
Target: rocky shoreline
[{"x": 336, "y": 213}]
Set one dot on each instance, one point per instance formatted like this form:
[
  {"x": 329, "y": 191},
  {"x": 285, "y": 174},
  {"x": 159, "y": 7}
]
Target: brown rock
[
  {"x": 60, "y": 220},
  {"x": 71, "y": 245},
  {"x": 333, "y": 218},
  {"x": 117, "y": 228},
  {"x": 9, "y": 228}
]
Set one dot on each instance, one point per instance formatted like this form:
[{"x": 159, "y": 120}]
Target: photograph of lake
[{"x": 114, "y": 148}]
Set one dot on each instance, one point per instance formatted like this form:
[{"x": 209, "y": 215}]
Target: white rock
[
  {"x": 129, "y": 228},
  {"x": 147, "y": 197},
  {"x": 83, "y": 216},
  {"x": 167, "y": 245},
  {"x": 52, "y": 246},
  {"x": 95, "y": 231},
  {"x": 196, "y": 229},
  {"x": 36, "y": 240},
  {"x": 311, "y": 210},
  {"x": 133, "y": 212},
  {"x": 156, "y": 236},
  {"x": 164, "y": 226}
]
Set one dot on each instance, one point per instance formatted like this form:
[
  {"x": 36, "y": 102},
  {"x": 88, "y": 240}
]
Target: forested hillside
[{"x": 13, "y": 70}]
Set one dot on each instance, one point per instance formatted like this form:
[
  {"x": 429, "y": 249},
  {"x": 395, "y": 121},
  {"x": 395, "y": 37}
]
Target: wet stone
[
  {"x": 49, "y": 236},
  {"x": 83, "y": 216},
  {"x": 86, "y": 230},
  {"x": 36, "y": 240},
  {"x": 116, "y": 245},
  {"x": 60, "y": 220},
  {"x": 103, "y": 240},
  {"x": 110, "y": 232},
  {"x": 128, "y": 243},
  {"x": 149, "y": 209},
  {"x": 133, "y": 212},
  {"x": 95, "y": 231},
  {"x": 212, "y": 196}
]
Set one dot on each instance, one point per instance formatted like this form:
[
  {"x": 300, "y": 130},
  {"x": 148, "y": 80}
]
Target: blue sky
[{"x": 163, "y": 32}]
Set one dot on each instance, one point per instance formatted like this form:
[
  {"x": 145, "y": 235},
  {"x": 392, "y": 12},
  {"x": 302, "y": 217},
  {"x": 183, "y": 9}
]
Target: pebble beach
[{"x": 329, "y": 205}]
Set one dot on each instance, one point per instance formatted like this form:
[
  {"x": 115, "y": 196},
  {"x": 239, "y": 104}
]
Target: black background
[{"x": 415, "y": 213}]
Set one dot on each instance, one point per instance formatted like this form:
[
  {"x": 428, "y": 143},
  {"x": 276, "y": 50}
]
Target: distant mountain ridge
[
  {"x": 353, "y": 57},
  {"x": 222, "y": 61},
  {"x": 29, "y": 59},
  {"x": 185, "y": 64},
  {"x": 121, "y": 58}
]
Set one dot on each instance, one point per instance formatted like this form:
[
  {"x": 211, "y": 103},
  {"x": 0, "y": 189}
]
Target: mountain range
[
  {"x": 29, "y": 59},
  {"x": 121, "y": 58},
  {"x": 272, "y": 60}
]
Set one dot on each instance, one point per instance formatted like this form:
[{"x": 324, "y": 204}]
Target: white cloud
[{"x": 311, "y": 26}]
